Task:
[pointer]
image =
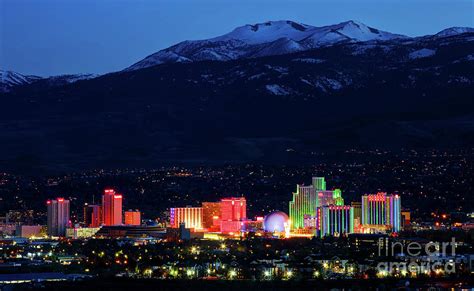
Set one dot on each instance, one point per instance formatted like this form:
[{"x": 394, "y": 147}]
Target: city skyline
[
  {"x": 313, "y": 211},
  {"x": 216, "y": 238}
]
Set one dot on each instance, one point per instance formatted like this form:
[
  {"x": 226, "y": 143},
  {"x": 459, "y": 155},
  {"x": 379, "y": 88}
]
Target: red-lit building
[
  {"x": 231, "y": 226},
  {"x": 92, "y": 215},
  {"x": 111, "y": 208},
  {"x": 405, "y": 218},
  {"x": 233, "y": 212},
  {"x": 211, "y": 215},
  {"x": 234, "y": 208},
  {"x": 132, "y": 217},
  {"x": 227, "y": 216}
]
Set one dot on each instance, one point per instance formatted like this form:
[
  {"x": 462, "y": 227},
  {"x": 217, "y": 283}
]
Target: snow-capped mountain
[
  {"x": 274, "y": 30},
  {"x": 265, "y": 39},
  {"x": 9, "y": 79},
  {"x": 259, "y": 40},
  {"x": 68, "y": 79},
  {"x": 396, "y": 93},
  {"x": 454, "y": 30}
]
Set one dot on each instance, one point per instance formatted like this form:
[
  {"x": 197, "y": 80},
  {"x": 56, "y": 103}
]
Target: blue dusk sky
[{"x": 51, "y": 37}]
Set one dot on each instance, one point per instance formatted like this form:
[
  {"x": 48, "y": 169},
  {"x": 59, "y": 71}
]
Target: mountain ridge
[
  {"x": 404, "y": 93},
  {"x": 283, "y": 36},
  {"x": 245, "y": 41},
  {"x": 228, "y": 47},
  {"x": 11, "y": 79}
]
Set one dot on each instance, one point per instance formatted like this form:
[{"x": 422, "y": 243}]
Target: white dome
[{"x": 275, "y": 221}]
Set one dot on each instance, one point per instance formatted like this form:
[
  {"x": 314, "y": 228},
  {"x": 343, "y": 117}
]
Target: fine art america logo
[{"x": 417, "y": 258}]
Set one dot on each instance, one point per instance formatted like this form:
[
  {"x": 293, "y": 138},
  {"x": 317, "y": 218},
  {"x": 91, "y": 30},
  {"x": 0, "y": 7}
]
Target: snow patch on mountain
[
  {"x": 276, "y": 89},
  {"x": 454, "y": 30},
  {"x": 277, "y": 47},
  {"x": 278, "y": 69},
  {"x": 332, "y": 83},
  {"x": 267, "y": 32},
  {"x": 309, "y": 60},
  {"x": 360, "y": 32},
  {"x": 160, "y": 57},
  {"x": 72, "y": 78},
  {"x": 14, "y": 78},
  {"x": 256, "y": 76},
  {"x": 422, "y": 53},
  {"x": 306, "y": 82},
  {"x": 459, "y": 79},
  {"x": 10, "y": 79}
]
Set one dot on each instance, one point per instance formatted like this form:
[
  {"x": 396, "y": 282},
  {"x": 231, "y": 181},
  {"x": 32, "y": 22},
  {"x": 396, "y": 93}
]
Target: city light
[
  {"x": 232, "y": 274},
  {"x": 193, "y": 253},
  {"x": 148, "y": 272}
]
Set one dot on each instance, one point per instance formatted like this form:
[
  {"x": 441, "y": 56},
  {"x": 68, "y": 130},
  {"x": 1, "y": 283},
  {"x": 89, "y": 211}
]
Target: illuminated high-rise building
[
  {"x": 58, "y": 216},
  {"x": 304, "y": 203},
  {"x": 310, "y": 222},
  {"x": 405, "y": 218},
  {"x": 337, "y": 197},
  {"x": 381, "y": 209},
  {"x": 325, "y": 198},
  {"x": 336, "y": 220},
  {"x": 133, "y": 217},
  {"x": 307, "y": 199},
  {"x": 111, "y": 208},
  {"x": 86, "y": 215},
  {"x": 211, "y": 215},
  {"x": 357, "y": 213},
  {"x": 330, "y": 197},
  {"x": 190, "y": 216},
  {"x": 92, "y": 215},
  {"x": 319, "y": 183},
  {"x": 233, "y": 209},
  {"x": 233, "y": 213},
  {"x": 231, "y": 226}
]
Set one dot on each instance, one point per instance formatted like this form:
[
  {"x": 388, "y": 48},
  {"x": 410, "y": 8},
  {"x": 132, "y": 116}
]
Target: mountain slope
[
  {"x": 265, "y": 39},
  {"x": 398, "y": 93},
  {"x": 454, "y": 30},
  {"x": 9, "y": 79}
]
